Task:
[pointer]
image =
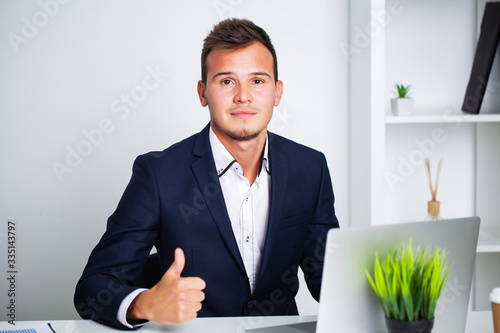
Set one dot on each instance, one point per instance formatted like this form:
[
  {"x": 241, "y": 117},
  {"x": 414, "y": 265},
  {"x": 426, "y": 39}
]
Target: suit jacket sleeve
[
  {"x": 118, "y": 258},
  {"x": 322, "y": 220}
]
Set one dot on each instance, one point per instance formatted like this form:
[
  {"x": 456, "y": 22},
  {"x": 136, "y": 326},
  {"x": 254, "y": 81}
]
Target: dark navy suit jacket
[{"x": 174, "y": 199}]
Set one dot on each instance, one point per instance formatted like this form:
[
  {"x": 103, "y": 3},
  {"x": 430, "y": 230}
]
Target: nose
[{"x": 242, "y": 94}]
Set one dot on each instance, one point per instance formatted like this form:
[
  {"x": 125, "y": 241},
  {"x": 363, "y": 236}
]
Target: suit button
[{"x": 249, "y": 305}]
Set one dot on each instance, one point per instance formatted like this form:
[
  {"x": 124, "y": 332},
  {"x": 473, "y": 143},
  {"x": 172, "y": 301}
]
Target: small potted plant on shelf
[
  {"x": 408, "y": 284},
  {"x": 402, "y": 105}
]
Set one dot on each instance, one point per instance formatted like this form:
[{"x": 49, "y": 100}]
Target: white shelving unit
[
  {"x": 472, "y": 147},
  {"x": 489, "y": 239},
  {"x": 436, "y": 118}
]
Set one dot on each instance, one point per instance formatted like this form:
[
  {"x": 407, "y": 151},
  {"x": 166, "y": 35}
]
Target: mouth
[{"x": 243, "y": 114}]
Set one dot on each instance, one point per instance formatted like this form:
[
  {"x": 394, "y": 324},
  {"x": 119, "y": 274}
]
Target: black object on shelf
[{"x": 483, "y": 59}]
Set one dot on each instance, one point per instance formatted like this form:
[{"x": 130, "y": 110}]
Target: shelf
[
  {"x": 437, "y": 118},
  {"x": 489, "y": 239}
]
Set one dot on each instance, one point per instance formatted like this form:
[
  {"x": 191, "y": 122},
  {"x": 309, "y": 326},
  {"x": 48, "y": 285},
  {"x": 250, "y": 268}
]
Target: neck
[{"x": 248, "y": 153}]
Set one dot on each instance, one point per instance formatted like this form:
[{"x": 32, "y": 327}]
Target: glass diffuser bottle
[{"x": 433, "y": 211}]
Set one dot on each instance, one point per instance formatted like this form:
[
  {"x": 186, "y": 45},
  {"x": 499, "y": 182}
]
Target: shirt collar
[{"x": 223, "y": 159}]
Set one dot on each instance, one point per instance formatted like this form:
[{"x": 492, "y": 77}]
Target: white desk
[{"x": 477, "y": 322}]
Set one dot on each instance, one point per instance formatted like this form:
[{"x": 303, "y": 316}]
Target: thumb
[{"x": 178, "y": 264}]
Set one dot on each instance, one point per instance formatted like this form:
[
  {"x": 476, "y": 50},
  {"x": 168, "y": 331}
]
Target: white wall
[{"x": 64, "y": 68}]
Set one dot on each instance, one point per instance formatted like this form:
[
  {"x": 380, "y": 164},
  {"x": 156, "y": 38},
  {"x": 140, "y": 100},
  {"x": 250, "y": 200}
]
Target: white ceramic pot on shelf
[{"x": 402, "y": 106}]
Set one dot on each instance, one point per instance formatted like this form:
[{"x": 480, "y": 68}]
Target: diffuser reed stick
[
  {"x": 433, "y": 205},
  {"x": 428, "y": 167}
]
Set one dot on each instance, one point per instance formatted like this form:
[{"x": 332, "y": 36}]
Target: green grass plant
[{"x": 409, "y": 282}]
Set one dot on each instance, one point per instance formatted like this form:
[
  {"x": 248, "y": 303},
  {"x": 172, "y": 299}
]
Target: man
[{"x": 233, "y": 210}]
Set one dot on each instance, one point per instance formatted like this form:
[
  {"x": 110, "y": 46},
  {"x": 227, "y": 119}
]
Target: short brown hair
[{"x": 233, "y": 34}]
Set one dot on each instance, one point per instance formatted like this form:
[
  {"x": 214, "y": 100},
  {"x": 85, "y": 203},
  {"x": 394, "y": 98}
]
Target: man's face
[{"x": 240, "y": 91}]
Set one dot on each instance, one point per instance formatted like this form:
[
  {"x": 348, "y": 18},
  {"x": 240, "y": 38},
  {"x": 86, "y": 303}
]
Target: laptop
[{"x": 347, "y": 301}]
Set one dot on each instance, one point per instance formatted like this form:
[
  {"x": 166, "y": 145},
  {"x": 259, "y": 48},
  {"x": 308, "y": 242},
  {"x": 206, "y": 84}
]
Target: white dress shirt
[{"x": 247, "y": 205}]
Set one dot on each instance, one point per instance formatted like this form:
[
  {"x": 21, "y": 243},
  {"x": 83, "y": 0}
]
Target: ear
[
  {"x": 278, "y": 92},
  {"x": 202, "y": 93}
]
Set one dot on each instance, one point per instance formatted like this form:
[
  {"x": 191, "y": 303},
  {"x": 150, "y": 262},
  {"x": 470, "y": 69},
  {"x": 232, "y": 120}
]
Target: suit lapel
[
  {"x": 208, "y": 181},
  {"x": 279, "y": 175}
]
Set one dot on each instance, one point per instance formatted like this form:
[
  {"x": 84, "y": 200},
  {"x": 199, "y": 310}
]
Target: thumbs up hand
[{"x": 173, "y": 300}]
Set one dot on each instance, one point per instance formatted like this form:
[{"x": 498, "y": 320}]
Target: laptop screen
[{"x": 349, "y": 304}]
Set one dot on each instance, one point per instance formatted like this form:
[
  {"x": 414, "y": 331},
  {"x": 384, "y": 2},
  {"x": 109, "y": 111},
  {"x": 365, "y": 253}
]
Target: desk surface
[{"x": 477, "y": 322}]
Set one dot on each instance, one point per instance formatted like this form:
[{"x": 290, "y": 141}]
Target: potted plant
[
  {"x": 403, "y": 104},
  {"x": 408, "y": 284}
]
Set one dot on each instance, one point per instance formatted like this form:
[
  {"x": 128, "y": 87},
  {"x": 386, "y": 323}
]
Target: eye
[
  {"x": 225, "y": 82},
  {"x": 258, "y": 81}
]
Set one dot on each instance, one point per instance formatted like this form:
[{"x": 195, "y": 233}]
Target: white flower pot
[{"x": 402, "y": 106}]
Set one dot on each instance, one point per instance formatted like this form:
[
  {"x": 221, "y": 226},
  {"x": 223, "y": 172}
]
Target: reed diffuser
[{"x": 433, "y": 205}]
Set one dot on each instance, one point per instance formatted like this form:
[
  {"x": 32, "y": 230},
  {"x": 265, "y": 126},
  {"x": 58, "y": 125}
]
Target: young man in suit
[{"x": 233, "y": 210}]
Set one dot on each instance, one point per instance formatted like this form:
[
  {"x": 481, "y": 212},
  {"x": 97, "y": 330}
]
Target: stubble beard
[{"x": 243, "y": 135}]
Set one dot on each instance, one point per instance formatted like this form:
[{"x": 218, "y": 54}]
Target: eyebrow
[{"x": 233, "y": 73}]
